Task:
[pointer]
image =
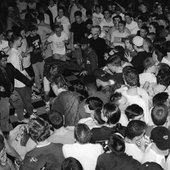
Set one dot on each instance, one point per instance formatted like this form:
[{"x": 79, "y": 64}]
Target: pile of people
[{"x": 116, "y": 116}]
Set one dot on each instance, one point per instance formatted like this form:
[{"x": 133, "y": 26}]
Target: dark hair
[
  {"x": 163, "y": 76},
  {"x": 155, "y": 25},
  {"x": 39, "y": 129},
  {"x": 82, "y": 133},
  {"x": 144, "y": 27},
  {"x": 115, "y": 97},
  {"x": 41, "y": 17},
  {"x": 56, "y": 119},
  {"x": 3, "y": 55},
  {"x": 122, "y": 22},
  {"x": 117, "y": 16},
  {"x": 166, "y": 47},
  {"x": 116, "y": 144},
  {"x": 131, "y": 76},
  {"x": 135, "y": 128},
  {"x": 96, "y": 104},
  {"x": 160, "y": 98},
  {"x": 71, "y": 163},
  {"x": 133, "y": 111},
  {"x": 112, "y": 112},
  {"x": 88, "y": 12},
  {"x": 159, "y": 114},
  {"x": 128, "y": 14},
  {"x": 59, "y": 80},
  {"x": 78, "y": 13},
  {"x": 32, "y": 28},
  {"x": 115, "y": 59}
]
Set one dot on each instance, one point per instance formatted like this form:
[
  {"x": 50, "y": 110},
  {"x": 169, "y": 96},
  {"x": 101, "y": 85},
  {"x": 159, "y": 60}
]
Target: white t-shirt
[
  {"x": 4, "y": 46},
  {"x": 86, "y": 154},
  {"x": 104, "y": 23},
  {"x": 97, "y": 18},
  {"x": 65, "y": 23},
  {"x": 16, "y": 60},
  {"x": 132, "y": 150},
  {"x": 133, "y": 27},
  {"x": 151, "y": 156},
  {"x": 54, "y": 11},
  {"x": 58, "y": 44},
  {"x": 116, "y": 38}
]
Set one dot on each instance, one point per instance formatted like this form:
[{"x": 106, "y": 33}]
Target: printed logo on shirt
[{"x": 33, "y": 159}]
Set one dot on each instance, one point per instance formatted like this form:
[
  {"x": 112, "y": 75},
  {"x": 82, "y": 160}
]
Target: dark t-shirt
[
  {"x": 50, "y": 157},
  {"x": 35, "y": 42},
  {"x": 78, "y": 31},
  {"x": 100, "y": 47},
  {"x": 138, "y": 61},
  {"x": 111, "y": 161}
]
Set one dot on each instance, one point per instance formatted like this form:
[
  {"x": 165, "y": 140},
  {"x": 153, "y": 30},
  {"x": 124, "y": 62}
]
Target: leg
[
  {"x": 25, "y": 94},
  {"x": 37, "y": 76},
  {"x": 4, "y": 114}
]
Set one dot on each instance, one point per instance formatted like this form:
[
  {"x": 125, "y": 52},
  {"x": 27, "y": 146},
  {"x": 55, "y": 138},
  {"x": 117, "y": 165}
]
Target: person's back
[
  {"x": 85, "y": 152},
  {"x": 116, "y": 159},
  {"x": 50, "y": 156}
]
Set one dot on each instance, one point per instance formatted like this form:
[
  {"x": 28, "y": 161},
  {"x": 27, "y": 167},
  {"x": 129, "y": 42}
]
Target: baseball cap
[
  {"x": 138, "y": 41},
  {"x": 151, "y": 166},
  {"x": 161, "y": 137},
  {"x": 103, "y": 76}
]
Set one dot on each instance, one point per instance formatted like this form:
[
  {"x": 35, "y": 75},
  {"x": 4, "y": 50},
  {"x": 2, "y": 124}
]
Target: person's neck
[
  {"x": 61, "y": 129},
  {"x": 15, "y": 47},
  {"x": 43, "y": 143}
]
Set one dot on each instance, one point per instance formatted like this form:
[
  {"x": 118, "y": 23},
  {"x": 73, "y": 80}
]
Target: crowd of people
[{"x": 116, "y": 115}]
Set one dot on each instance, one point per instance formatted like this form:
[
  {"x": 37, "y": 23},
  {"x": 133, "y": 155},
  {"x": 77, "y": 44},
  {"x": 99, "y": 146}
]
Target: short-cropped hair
[
  {"x": 71, "y": 163},
  {"x": 116, "y": 144},
  {"x": 131, "y": 76},
  {"x": 39, "y": 129},
  {"x": 82, "y": 133},
  {"x": 56, "y": 119},
  {"x": 59, "y": 80},
  {"x": 160, "y": 98},
  {"x": 159, "y": 114},
  {"x": 133, "y": 111},
  {"x": 135, "y": 128},
  {"x": 112, "y": 112}
]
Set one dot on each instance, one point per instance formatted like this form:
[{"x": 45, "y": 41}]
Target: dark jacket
[{"x": 7, "y": 80}]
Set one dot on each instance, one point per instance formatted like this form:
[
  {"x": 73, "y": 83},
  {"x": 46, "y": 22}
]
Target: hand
[
  {"x": 83, "y": 73},
  {"x": 128, "y": 57}
]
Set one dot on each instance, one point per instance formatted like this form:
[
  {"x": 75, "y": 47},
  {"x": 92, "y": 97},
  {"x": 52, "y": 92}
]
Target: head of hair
[
  {"x": 155, "y": 25},
  {"x": 78, "y": 13},
  {"x": 116, "y": 144},
  {"x": 159, "y": 114},
  {"x": 89, "y": 13},
  {"x": 96, "y": 104},
  {"x": 3, "y": 55},
  {"x": 144, "y": 27},
  {"x": 112, "y": 112},
  {"x": 163, "y": 75},
  {"x": 56, "y": 119},
  {"x": 71, "y": 163},
  {"x": 82, "y": 133},
  {"x": 122, "y": 22},
  {"x": 135, "y": 128},
  {"x": 2, "y": 143},
  {"x": 160, "y": 98},
  {"x": 148, "y": 62},
  {"x": 128, "y": 14},
  {"x": 59, "y": 81},
  {"x": 115, "y": 60},
  {"x": 39, "y": 129},
  {"x": 133, "y": 111},
  {"x": 115, "y": 97},
  {"x": 117, "y": 16},
  {"x": 131, "y": 76},
  {"x": 166, "y": 47}
]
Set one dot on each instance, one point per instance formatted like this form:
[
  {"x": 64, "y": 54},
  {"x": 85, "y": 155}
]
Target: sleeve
[
  {"x": 49, "y": 39},
  {"x": 99, "y": 164},
  {"x": 21, "y": 77}
]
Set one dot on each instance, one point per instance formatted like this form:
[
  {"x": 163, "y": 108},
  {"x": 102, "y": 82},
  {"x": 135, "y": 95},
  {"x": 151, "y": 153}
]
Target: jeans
[
  {"x": 38, "y": 71},
  {"x": 4, "y": 113}
]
